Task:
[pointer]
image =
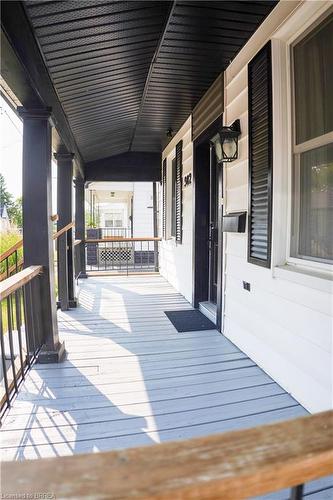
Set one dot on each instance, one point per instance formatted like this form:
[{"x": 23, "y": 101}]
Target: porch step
[{"x": 209, "y": 310}]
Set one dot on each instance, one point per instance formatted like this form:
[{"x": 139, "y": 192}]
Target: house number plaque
[{"x": 188, "y": 179}]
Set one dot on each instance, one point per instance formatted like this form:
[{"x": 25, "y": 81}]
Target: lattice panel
[{"x": 116, "y": 255}]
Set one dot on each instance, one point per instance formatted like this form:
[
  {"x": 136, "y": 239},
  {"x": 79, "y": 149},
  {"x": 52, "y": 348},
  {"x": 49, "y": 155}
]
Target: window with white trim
[{"x": 312, "y": 196}]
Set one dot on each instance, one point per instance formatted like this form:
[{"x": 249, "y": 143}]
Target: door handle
[{"x": 212, "y": 233}]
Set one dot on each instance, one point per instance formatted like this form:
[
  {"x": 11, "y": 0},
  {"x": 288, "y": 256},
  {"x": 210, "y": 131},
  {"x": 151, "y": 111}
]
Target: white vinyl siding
[
  {"x": 285, "y": 322},
  {"x": 175, "y": 259}
]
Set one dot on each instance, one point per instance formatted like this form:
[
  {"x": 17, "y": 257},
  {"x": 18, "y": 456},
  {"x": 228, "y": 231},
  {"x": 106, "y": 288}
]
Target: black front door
[
  {"x": 208, "y": 199},
  {"x": 213, "y": 243}
]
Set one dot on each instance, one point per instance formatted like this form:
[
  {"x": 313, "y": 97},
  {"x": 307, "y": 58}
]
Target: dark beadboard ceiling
[{"x": 125, "y": 72}]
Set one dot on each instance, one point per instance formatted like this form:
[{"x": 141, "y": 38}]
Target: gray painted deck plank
[
  {"x": 103, "y": 378},
  {"x": 121, "y": 425},
  {"x": 102, "y": 399},
  {"x": 131, "y": 379},
  {"x": 54, "y": 418},
  {"x": 144, "y": 436},
  {"x": 141, "y": 386}
]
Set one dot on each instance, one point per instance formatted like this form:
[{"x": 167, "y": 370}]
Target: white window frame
[
  {"x": 297, "y": 149},
  {"x": 303, "y": 21}
]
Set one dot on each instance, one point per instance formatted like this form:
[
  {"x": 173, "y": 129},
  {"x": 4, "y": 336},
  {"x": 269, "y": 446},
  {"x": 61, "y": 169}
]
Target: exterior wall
[
  {"x": 285, "y": 323},
  {"x": 176, "y": 259}
]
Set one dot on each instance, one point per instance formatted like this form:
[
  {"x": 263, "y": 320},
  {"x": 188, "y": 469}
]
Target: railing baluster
[
  {"x": 119, "y": 246},
  {"x": 10, "y": 340},
  {"x": 18, "y": 326},
  {"x": 297, "y": 492},
  {"x": 141, "y": 253},
  {"x": 32, "y": 316},
  {"x": 26, "y": 327},
  {"x": 3, "y": 359}
]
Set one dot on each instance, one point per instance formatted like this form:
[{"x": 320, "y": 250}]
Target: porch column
[
  {"x": 80, "y": 230},
  {"x": 37, "y": 226},
  {"x": 66, "y": 283},
  {"x": 155, "y": 226}
]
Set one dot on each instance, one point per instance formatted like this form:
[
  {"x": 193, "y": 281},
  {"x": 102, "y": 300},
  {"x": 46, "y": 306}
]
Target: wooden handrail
[
  {"x": 63, "y": 230},
  {"x": 232, "y": 465},
  {"x": 13, "y": 283},
  {"x": 11, "y": 250},
  {"x": 119, "y": 239},
  {"x": 19, "y": 243},
  {"x": 12, "y": 268},
  {"x": 54, "y": 217}
]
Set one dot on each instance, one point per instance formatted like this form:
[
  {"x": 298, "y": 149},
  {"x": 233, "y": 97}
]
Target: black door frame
[{"x": 201, "y": 193}]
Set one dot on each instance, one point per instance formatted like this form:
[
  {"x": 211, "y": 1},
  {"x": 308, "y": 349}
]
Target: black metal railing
[
  {"x": 20, "y": 332},
  {"x": 116, "y": 232},
  {"x": 11, "y": 261},
  {"x": 122, "y": 255},
  {"x": 63, "y": 261},
  {"x": 77, "y": 259}
]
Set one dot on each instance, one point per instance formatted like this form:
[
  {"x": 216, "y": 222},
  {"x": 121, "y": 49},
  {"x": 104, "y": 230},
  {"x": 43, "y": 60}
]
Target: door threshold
[{"x": 209, "y": 310}]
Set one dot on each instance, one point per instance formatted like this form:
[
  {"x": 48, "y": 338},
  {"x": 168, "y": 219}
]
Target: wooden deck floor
[{"x": 131, "y": 379}]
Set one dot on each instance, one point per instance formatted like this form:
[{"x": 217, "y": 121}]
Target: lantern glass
[
  {"x": 218, "y": 147},
  {"x": 225, "y": 142},
  {"x": 229, "y": 148}
]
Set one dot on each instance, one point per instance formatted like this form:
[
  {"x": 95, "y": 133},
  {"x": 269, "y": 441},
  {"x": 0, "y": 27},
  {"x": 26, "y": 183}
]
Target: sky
[
  {"x": 11, "y": 149},
  {"x": 11, "y": 131}
]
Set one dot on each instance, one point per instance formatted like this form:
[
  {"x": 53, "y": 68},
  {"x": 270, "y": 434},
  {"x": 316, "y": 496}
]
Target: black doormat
[{"x": 189, "y": 320}]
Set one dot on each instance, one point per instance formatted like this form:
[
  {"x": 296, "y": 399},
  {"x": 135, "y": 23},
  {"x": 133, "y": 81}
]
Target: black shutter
[
  {"x": 260, "y": 158},
  {"x": 164, "y": 198},
  {"x": 179, "y": 192}
]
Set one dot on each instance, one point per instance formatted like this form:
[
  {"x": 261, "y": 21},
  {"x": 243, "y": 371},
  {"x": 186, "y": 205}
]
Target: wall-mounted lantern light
[
  {"x": 225, "y": 142},
  {"x": 169, "y": 133}
]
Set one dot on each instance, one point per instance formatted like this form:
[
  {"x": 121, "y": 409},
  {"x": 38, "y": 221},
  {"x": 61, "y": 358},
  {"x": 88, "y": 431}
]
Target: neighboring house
[
  {"x": 267, "y": 286},
  {"x": 4, "y": 219},
  {"x": 120, "y": 209}
]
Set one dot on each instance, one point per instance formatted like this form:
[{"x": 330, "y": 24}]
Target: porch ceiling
[{"x": 125, "y": 72}]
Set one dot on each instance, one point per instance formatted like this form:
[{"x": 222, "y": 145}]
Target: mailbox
[{"x": 234, "y": 223}]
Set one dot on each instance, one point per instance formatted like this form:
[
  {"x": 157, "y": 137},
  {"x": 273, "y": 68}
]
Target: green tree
[
  {"x": 15, "y": 213},
  {"x": 14, "y": 207},
  {"x": 5, "y": 197}
]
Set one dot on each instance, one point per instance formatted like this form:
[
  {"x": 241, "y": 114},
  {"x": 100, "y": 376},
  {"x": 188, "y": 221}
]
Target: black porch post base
[
  {"x": 73, "y": 303},
  {"x": 55, "y": 355}
]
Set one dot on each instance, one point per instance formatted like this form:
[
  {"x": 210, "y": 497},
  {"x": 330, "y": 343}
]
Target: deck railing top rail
[
  {"x": 231, "y": 465},
  {"x": 63, "y": 230},
  {"x": 11, "y": 250},
  {"x": 19, "y": 244},
  {"x": 13, "y": 283}
]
